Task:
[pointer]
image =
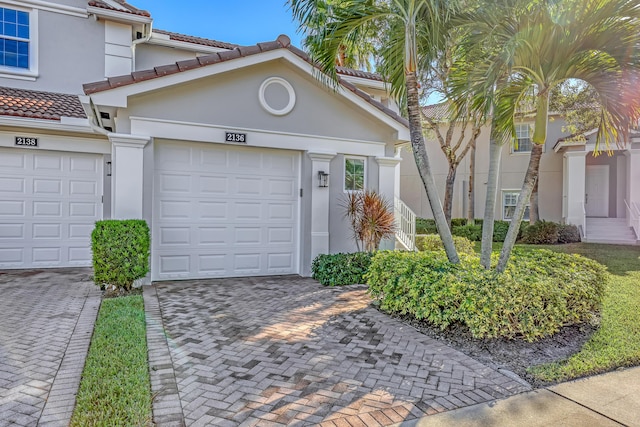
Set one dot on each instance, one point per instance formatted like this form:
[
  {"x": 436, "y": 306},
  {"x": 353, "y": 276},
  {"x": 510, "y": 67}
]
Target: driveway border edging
[{"x": 167, "y": 407}]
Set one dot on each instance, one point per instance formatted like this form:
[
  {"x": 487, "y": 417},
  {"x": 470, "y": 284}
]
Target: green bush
[
  {"x": 120, "y": 252},
  {"x": 426, "y": 226},
  {"x": 539, "y": 292},
  {"x": 500, "y": 229},
  {"x": 568, "y": 233},
  {"x": 341, "y": 269},
  {"x": 433, "y": 242},
  {"x": 458, "y": 222},
  {"x": 471, "y": 232},
  {"x": 541, "y": 233}
]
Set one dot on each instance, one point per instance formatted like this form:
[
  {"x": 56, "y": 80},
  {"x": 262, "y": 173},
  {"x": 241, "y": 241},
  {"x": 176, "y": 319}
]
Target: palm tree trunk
[
  {"x": 471, "y": 209},
  {"x": 530, "y": 178},
  {"x": 523, "y": 199},
  {"x": 495, "y": 151},
  {"x": 534, "y": 214},
  {"x": 448, "y": 193},
  {"x": 424, "y": 168}
]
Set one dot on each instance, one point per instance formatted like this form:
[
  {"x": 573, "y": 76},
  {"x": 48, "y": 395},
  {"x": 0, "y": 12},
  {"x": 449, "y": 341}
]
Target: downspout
[
  {"x": 94, "y": 121},
  {"x": 146, "y": 37}
]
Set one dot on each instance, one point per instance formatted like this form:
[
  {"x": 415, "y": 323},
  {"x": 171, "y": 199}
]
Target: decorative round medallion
[{"x": 274, "y": 99}]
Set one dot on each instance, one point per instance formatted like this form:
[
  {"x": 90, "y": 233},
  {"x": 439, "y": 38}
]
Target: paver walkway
[
  {"x": 46, "y": 322},
  {"x": 287, "y": 351}
]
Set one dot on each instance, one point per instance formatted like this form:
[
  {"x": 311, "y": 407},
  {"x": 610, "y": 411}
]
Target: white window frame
[
  {"x": 344, "y": 173},
  {"x": 518, "y": 127},
  {"x": 23, "y": 73},
  {"x": 504, "y": 205}
]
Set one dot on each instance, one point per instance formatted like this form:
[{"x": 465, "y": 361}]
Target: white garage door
[
  {"x": 224, "y": 211},
  {"x": 49, "y": 203}
]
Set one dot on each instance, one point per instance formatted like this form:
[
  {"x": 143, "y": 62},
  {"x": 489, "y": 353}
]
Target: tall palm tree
[
  {"x": 412, "y": 29},
  {"x": 539, "y": 44}
]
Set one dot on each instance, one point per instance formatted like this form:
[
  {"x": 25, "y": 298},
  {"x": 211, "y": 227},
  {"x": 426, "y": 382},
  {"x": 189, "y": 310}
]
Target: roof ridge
[
  {"x": 127, "y": 7},
  {"x": 282, "y": 42},
  {"x": 196, "y": 39}
]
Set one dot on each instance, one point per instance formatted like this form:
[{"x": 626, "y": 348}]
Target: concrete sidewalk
[{"x": 611, "y": 399}]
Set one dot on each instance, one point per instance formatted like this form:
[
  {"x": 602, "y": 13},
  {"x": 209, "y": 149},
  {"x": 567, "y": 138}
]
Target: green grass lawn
[
  {"x": 115, "y": 388},
  {"x": 617, "y": 342}
]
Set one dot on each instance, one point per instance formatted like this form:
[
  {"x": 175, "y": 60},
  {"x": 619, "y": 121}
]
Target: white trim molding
[
  {"x": 179, "y": 130},
  {"x": 290, "y": 92},
  {"x": 49, "y": 7}
]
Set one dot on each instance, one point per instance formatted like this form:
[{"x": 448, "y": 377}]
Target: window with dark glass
[
  {"x": 353, "y": 174},
  {"x": 14, "y": 38}
]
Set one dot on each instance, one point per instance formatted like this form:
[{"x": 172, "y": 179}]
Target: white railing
[
  {"x": 634, "y": 217},
  {"x": 405, "y": 225}
]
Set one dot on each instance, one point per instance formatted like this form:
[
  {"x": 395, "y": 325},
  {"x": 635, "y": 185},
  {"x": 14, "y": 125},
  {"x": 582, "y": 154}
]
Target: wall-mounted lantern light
[
  {"x": 323, "y": 179},
  {"x": 108, "y": 168}
]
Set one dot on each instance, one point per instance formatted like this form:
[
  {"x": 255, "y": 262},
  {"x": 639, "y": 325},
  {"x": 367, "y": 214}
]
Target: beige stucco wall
[
  {"x": 512, "y": 170},
  {"x": 231, "y": 99}
]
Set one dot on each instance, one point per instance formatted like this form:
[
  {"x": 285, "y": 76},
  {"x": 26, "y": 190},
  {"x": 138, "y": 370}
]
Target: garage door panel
[
  {"x": 213, "y": 185},
  {"x": 47, "y": 163},
  {"x": 47, "y": 187},
  {"x": 240, "y": 219},
  {"x": 48, "y": 222}
]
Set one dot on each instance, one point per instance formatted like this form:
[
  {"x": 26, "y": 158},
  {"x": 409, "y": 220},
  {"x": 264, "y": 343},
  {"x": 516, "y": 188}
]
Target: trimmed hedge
[
  {"x": 539, "y": 292},
  {"x": 471, "y": 232},
  {"x": 541, "y": 233},
  {"x": 426, "y": 226},
  {"x": 341, "y": 269},
  {"x": 120, "y": 252},
  {"x": 568, "y": 233},
  {"x": 433, "y": 242}
]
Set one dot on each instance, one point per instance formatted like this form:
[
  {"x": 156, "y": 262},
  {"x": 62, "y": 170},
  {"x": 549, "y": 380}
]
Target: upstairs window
[
  {"x": 354, "y": 174},
  {"x": 14, "y": 38},
  {"x": 523, "y": 139}
]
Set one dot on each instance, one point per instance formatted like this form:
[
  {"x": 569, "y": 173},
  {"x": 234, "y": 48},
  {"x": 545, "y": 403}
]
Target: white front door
[
  {"x": 224, "y": 211},
  {"x": 597, "y": 191},
  {"x": 49, "y": 203}
]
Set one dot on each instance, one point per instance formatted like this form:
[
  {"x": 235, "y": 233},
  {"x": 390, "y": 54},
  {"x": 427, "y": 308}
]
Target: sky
[{"x": 243, "y": 22}]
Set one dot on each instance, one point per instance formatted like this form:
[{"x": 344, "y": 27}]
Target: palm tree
[
  {"x": 540, "y": 44},
  {"x": 412, "y": 30}
]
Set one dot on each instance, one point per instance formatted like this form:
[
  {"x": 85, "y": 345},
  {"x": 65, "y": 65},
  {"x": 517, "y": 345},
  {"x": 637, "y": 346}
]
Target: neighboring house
[
  {"x": 219, "y": 147},
  {"x": 600, "y": 194}
]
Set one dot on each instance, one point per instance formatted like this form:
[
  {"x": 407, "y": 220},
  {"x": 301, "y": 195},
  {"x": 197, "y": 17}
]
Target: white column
[
  {"x": 127, "y": 175},
  {"x": 387, "y": 172},
  {"x": 574, "y": 188},
  {"x": 398, "y": 155},
  {"x": 633, "y": 178},
  {"x": 319, "y": 204}
]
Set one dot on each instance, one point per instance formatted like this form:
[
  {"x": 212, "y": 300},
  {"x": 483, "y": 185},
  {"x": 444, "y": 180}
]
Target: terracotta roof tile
[
  {"x": 196, "y": 40},
  {"x": 282, "y": 42},
  {"x": 126, "y": 7},
  {"x": 437, "y": 112},
  {"x": 39, "y": 105},
  {"x": 358, "y": 73}
]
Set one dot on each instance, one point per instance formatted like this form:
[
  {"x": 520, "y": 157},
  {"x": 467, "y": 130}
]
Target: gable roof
[
  {"x": 196, "y": 40},
  {"x": 39, "y": 105},
  {"x": 124, "y": 7},
  {"x": 359, "y": 73},
  {"x": 282, "y": 42}
]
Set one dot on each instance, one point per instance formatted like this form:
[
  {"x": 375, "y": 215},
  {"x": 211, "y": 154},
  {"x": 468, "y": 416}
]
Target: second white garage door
[{"x": 224, "y": 211}]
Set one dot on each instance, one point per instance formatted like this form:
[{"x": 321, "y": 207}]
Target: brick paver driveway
[
  {"x": 287, "y": 351},
  {"x": 46, "y": 321}
]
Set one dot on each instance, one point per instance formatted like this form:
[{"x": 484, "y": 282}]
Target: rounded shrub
[
  {"x": 568, "y": 233},
  {"x": 471, "y": 232},
  {"x": 341, "y": 269},
  {"x": 433, "y": 242},
  {"x": 539, "y": 292},
  {"x": 541, "y": 233},
  {"x": 458, "y": 222},
  {"x": 120, "y": 251}
]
